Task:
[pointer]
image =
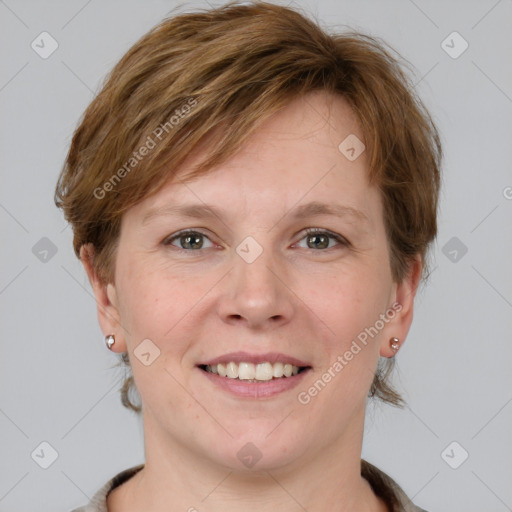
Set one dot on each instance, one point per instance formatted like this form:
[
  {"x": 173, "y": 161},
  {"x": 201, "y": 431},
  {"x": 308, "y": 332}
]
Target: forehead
[
  {"x": 317, "y": 117},
  {"x": 296, "y": 156}
]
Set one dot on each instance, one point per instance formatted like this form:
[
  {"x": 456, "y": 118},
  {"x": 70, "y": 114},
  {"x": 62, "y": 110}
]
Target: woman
[{"x": 253, "y": 200}]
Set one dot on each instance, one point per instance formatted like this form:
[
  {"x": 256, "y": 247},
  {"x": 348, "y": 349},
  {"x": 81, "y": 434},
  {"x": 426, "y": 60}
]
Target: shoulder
[
  {"x": 387, "y": 489},
  {"x": 98, "y": 503}
]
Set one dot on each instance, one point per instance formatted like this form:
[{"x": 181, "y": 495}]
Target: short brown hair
[{"x": 219, "y": 73}]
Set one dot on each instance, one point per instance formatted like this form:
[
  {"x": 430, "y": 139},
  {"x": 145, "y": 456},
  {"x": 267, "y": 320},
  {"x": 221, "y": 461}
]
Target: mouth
[
  {"x": 250, "y": 372},
  {"x": 255, "y": 376}
]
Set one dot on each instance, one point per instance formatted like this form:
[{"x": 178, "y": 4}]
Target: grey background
[{"x": 57, "y": 380}]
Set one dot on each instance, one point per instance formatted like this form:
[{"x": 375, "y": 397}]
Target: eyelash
[{"x": 307, "y": 232}]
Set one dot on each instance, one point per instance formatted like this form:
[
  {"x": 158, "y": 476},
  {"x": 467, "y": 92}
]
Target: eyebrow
[{"x": 202, "y": 211}]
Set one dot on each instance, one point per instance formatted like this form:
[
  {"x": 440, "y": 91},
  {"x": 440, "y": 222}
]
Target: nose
[{"x": 256, "y": 294}]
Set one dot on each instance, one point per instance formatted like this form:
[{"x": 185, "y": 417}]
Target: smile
[
  {"x": 253, "y": 372},
  {"x": 256, "y": 376}
]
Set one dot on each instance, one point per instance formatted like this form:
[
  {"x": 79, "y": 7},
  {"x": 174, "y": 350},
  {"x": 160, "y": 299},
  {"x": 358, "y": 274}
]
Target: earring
[
  {"x": 394, "y": 343},
  {"x": 109, "y": 341}
]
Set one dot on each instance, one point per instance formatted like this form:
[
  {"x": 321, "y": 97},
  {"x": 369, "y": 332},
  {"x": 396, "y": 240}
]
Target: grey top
[{"x": 383, "y": 486}]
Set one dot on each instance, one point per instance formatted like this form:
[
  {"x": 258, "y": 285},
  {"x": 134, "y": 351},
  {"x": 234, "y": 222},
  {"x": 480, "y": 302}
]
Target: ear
[
  {"x": 106, "y": 300},
  {"x": 403, "y": 306}
]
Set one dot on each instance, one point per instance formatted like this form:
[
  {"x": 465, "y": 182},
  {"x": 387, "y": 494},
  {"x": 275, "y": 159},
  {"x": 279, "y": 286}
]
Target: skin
[{"x": 303, "y": 300}]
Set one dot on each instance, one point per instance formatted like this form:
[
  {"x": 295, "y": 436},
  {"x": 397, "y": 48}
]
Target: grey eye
[
  {"x": 321, "y": 239},
  {"x": 188, "y": 240},
  {"x": 318, "y": 241}
]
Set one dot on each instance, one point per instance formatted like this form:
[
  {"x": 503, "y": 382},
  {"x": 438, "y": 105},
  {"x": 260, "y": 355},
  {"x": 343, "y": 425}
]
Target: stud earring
[
  {"x": 394, "y": 343},
  {"x": 109, "y": 341}
]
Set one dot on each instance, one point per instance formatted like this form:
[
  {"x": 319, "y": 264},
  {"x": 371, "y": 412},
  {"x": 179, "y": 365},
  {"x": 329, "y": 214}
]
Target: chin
[{"x": 261, "y": 450}]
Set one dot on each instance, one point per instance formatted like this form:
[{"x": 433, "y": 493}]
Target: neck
[{"x": 177, "y": 478}]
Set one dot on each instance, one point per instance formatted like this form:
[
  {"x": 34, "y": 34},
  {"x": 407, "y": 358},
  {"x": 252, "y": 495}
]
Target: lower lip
[{"x": 263, "y": 389}]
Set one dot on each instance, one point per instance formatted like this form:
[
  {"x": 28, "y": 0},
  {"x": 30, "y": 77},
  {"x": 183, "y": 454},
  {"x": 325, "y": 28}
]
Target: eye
[
  {"x": 188, "y": 240},
  {"x": 321, "y": 239}
]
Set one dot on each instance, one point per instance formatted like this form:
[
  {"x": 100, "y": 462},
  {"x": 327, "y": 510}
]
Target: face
[{"x": 277, "y": 256}]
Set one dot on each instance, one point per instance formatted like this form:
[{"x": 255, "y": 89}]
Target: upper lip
[{"x": 245, "y": 357}]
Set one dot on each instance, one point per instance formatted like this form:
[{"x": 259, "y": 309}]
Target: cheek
[
  {"x": 153, "y": 307},
  {"x": 350, "y": 307},
  {"x": 148, "y": 301},
  {"x": 162, "y": 304},
  {"x": 349, "y": 300}
]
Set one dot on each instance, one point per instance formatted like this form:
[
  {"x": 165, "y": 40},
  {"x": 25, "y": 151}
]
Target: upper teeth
[{"x": 249, "y": 371}]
